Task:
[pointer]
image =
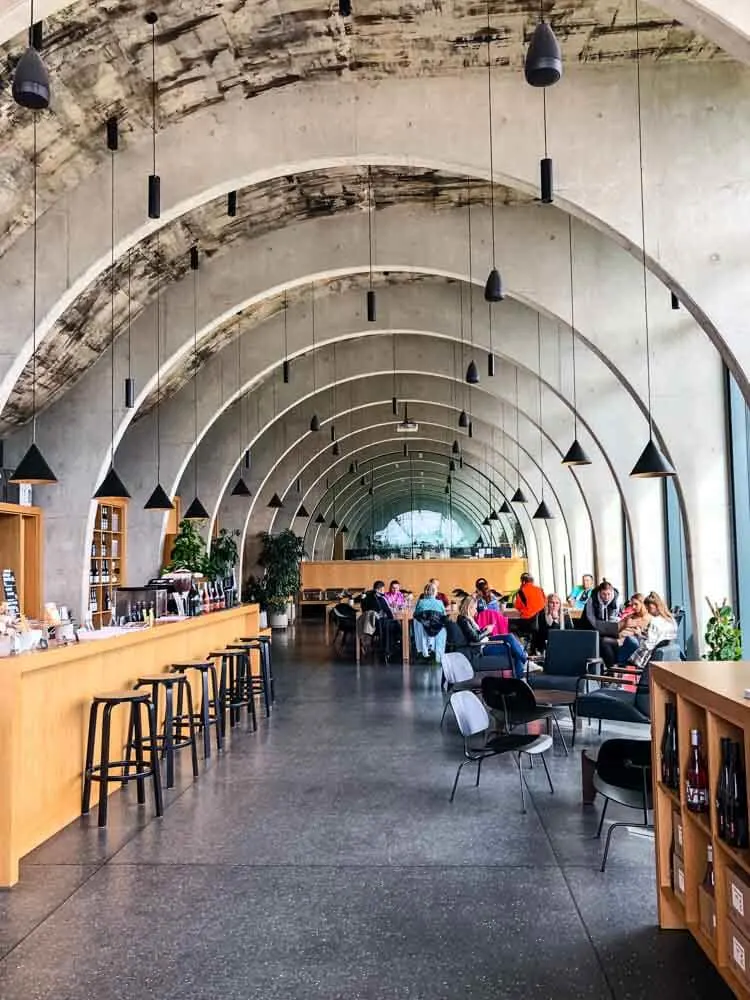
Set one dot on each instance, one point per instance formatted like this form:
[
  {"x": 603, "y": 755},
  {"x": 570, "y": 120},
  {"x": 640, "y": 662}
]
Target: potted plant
[
  {"x": 188, "y": 550},
  {"x": 255, "y": 592},
  {"x": 280, "y": 557},
  {"x": 723, "y": 635},
  {"x": 223, "y": 558}
]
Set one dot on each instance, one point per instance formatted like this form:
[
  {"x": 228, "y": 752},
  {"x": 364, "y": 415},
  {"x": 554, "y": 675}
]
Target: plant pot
[
  {"x": 262, "y": 620},
  {"x": 277, "y": 620},
  {"x": 291, "y": 611}
]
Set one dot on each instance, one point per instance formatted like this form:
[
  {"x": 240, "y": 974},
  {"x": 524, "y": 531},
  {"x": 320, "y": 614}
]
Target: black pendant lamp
[
  {"x": 196, "y": 511},
  {"x": 486, "y": 522},
  {"x": 314, "y": 420},
  {"x": 493, "y": 289},
  {"x": 336, "y": 450},
  {"x": 451, "y": 466},
  {"x": 301, "y": 512},
  {"x": 33, "y": 469},
  {"x": 129, "y": 380},
  {"x": 362, "y": 481},
  {"x": 343, "y": 530},
  {"x": 231, "y": 204},
  {"x": 112, "y": 487},
  {"x": 505, "y": 507},
  {"x": 320, "y": 519},
  {"x": 447, "y": 488},
  {"x": 470, "y": 429},
  {"x": 285, "y": 365},
  {"x": 494, "y": 516},
  {"x": 651, "y": 464},
  {"x": 575, "y": 455},
  {"x": 491, "y": 364},
  {"x": 240, "y": 489},
  {"x": 371, "y": 304},
  {"x": 542, "y": 512},
  {"x": 463, "y": 420},
  {"x": 472, "y": 373},
  {"x": 31, "y": 80},
  {"x": 543, "y": 64},
  {"x": 154, "y": 181},
  {"x": 519, "y": 496},
  {"x": 352, "y": 469},
  {"x": 158, "y": 499},
  {"x": 276, "y": 503},
  {"x": 455, "y": 448},
  {"x": 334, "y": 525}
]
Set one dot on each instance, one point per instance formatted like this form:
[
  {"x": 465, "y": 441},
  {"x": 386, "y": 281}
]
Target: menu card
[{"x": 11, "y": 593}]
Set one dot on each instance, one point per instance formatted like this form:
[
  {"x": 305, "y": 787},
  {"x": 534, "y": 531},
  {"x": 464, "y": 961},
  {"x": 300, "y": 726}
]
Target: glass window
[
  {"x": 739, "y": 448},
  {"x": 678, "y": 591}
]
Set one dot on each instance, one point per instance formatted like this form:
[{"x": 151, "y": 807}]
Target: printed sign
[
  {"x": 10, "y": 591},
  {"x": 738, "y": 902},
  {"x": 739, "y": 953}
]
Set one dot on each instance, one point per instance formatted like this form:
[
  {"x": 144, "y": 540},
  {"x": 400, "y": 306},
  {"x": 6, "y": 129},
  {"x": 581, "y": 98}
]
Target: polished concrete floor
[{"x": 320, "y": 858}]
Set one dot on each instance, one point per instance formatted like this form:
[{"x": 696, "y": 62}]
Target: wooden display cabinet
[
  {"x": 21, "y": 551},
  {"x": 107, "y": 558},
  {"x": 709, "y": 697}
]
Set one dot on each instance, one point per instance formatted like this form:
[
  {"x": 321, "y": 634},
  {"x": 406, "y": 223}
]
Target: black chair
[
  {"x": 259, "y": 683},
  {"x": 570, "y": 655},
  {"x": 612, "y": 703},
  {"x": 173, "y": 738},
  {"x": 263, "y": 643},
  {"x": 344, "y": 617},
  {"x": 138, "y": 702},
  {"x": 235, "y": 688},
  {"x": 516, "y": 704},
  {"x": 211, "y": 707},
  {"x": 623, "y": 775}
]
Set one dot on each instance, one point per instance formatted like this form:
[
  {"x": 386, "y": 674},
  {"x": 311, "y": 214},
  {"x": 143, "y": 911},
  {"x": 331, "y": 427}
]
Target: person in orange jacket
[{"x": 530, "y": 599}]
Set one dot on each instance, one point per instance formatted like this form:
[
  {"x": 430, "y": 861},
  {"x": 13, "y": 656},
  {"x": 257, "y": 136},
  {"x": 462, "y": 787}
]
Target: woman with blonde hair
[
  {"x": 473, "y": 634},
  {"x": 661, "y": 628}
]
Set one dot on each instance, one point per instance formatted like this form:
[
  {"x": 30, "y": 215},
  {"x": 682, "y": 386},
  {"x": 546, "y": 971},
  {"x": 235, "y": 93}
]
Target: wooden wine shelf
[
  {"x": 107, "y": 547},
  {"x": 709, "y": 697}
]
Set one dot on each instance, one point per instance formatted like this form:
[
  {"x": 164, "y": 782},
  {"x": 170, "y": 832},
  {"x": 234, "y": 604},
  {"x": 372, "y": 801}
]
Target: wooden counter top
[
  {"x": 44, "y": 706},
  {"x": 716, "y": 684}
]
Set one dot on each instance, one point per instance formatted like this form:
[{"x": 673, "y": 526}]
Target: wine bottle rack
[
  {"x": 107, "y": 559},
  {"x": 708, "y": 697}
]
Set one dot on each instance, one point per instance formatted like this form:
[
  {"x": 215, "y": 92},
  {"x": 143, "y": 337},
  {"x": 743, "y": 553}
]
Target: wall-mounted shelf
[
  {"x": 21, "y": 551},
  {"x": 107, "y": 558}
]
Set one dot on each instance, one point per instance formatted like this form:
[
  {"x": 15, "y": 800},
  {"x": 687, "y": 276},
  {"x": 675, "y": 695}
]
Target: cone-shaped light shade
[
  {"x": 336, "y": 450},
  {"x": 334, "y": 525},
  {"x": 494, "y": 516},
  {"x": 196, "y": 511},
  {"x": 652, "y": 464},
  {"x": 275, "y": 503},
  {"x": 301, "y": 512},
  {"x": 575, "y": 455},
  {"x": 543, "y": 65},
  {"x": 493, "y": 289},
  {"x": 352, "y": 469},
  {"x": 519, "y": 496},
  {"x": 463, "y": 420},
  {"x": 158, "y": 500},
  {"x": 320, "y": 519},
  {"x": 472, "y": 373},
  {"x": 542, "y": 512},
  {"x": 362, "y": 481},
  {"x": 315, "y": 423},
  {"x": 455, "y": 449},
  {"x": 451, "y": 466},
  {"x": 31, "y": 81},
  {"x": 486, "y": 522},
  {"x": 344, "y": 530},
  {"x": 241, "y": 489},
  {"x": 33, "y": 469},
  {"x": 505, "y": 508},
  {"x": 479, "y": 542},
  {"x": 447, "y": 489},
  {"x": 112, "y": 487}
]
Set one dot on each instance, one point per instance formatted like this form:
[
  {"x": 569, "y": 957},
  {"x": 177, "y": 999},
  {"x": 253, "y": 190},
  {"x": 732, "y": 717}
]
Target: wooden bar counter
[
  {"x": 412, "y": 574},
  {"x": 709, "y": 697},
  {"x": 44, "y": 705}
]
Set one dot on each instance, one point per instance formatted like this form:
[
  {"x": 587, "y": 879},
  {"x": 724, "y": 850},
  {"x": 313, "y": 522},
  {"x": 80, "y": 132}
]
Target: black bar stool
[
  {"x": 210, "y": 711},
  {"x": 139, "y": 702},
  {"x": 173, "y": 737},
  {"x": 236, "y": 688},
  {"x": 259, "y": 684},
  {"x": 265, "y": 653}
]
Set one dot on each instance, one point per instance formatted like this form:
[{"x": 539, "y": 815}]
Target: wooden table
[{"x": 404, "y": 617}]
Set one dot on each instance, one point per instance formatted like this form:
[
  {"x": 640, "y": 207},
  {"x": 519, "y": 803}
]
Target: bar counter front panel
[{"x": 44, "y": 708}]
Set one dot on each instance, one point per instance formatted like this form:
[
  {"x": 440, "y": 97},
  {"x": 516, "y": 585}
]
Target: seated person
[
  {"x": 440, "y": 595},
  {"x": 395, "y": 596},
  {"x": 661, "y": 628},
  {"x": 579, "y": 595},
  {"x": 633, "y": 623},
  {"x": 474, "y": 634},
  {"x": 374, "y": 600},
  {"x": 485, "y": 597},
  {"x": 429, "y": 624},
  {"x": 552, "y": 617},
  {"x": 530, "y": 600}
]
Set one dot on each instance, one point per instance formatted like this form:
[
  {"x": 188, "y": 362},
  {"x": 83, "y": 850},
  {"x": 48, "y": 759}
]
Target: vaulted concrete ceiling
[{"x": 84, "y": 330}]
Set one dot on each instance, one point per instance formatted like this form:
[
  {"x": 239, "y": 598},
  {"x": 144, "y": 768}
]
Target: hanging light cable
[
  {"x": 652, "y": 464},
  {"x": 394, "y": 398},
  {"x": 543, "y": 68},
  {"x": 491, "y": 355},
  {"x": 112, "y": 487},
  {"x": 31, "y": 80},
  {"x": 314, "y": 420},
  {"x": 130, "y": 381},
  {"x": 542, "y": 512},
  {"x": 472, "y": 372},
  {"x": 196, "y": 511},
  {"x": 371, "y": 307},
  {"x": 493, "y": 289},
  {"x": 519, "y": 496},
  {"x": 285, "y": 366},
  {"x": 154, "y": 181},
  {"x": 463, "y": 417},
  {"x": 33, "y": 468},
  {"x": 240, "y": 489},
  {"x": 159, "y": 500},
  {"x": 575, "y": 455}
]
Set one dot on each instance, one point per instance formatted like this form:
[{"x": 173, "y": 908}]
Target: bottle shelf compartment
[{"x": 670, "y": 793}]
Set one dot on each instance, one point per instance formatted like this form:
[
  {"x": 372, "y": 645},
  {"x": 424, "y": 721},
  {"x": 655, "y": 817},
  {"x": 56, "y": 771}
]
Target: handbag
[{"x": 640, "y": 657}]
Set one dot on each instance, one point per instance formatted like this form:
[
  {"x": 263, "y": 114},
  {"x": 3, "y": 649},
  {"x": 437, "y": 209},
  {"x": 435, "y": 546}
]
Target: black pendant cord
[
  {"x": 112, "y": 305},
  {"x": 643, "y": 214},
  {"x": 240, "y": 393},
  {"x": 518, "y": 439},
  {"x": 34, "y": 286},
  {"x": 312, "y": 319},
  {"x": 572, "y": 327},
  {"x": 130, "y": 311},
  {"x": 393, "y": 361},
  {"x": 286, "y": 343},
  {"x": 158, "y": 359},
  {"x": 369, "y": 217},
  {"x": 539, "y": 377},
  {"x": 154, "y": 95},
  {"x": 461, "y": 331},
  {"x": 195, "y": 374},
  {"x": 471, "y": 272},
  {"x": 544, "y": 118},
  {"x": 489, "y": 115}
]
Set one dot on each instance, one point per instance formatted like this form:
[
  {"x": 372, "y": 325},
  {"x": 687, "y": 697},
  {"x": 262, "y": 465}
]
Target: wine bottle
[
  {"x": 666, "y": 746},
  {"x": 723, "y": 788},
  {"x": 675, "y": 752},
  {"x": 736, "y": 799},
  {"x": 709, "y": 879},
  {"x": 696, "y": 779}
]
